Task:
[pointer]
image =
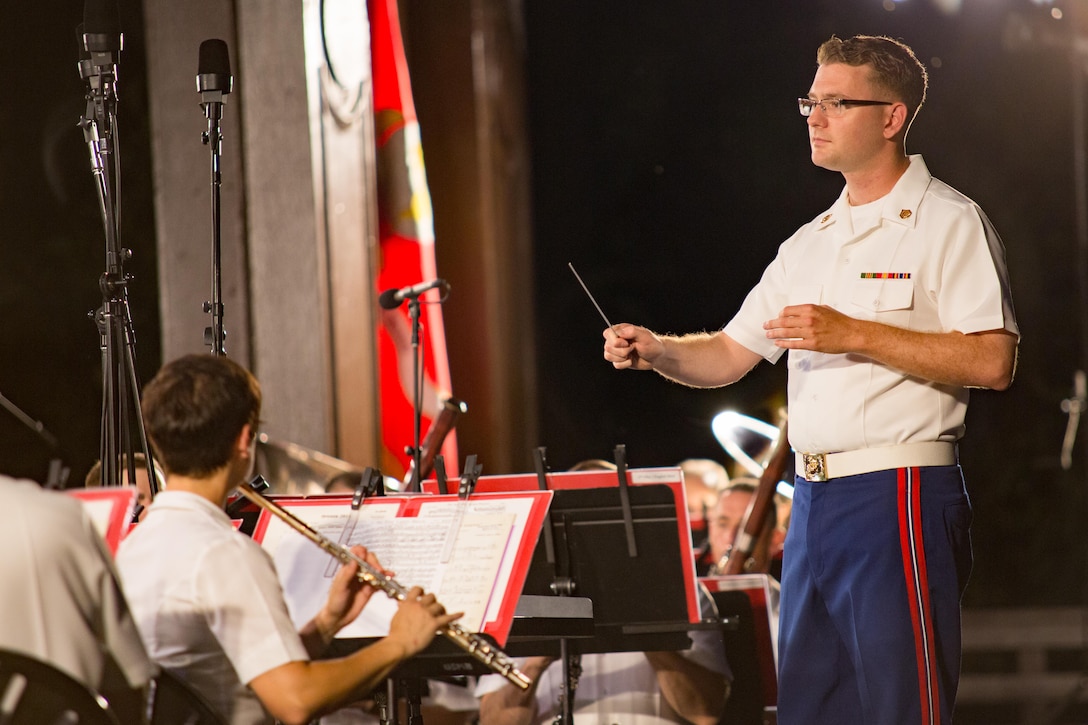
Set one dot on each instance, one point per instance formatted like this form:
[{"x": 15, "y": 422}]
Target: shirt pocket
[
  {"x": 804, "y": 294},
  {"x": 887, "y": 300}
]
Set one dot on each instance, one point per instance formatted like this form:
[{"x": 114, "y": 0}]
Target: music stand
[
  {"x": 604, "y": 540},
  {"x": 588, "y": 529}
]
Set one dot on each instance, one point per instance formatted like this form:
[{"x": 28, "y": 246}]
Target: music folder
[
  {"x": 643, "y": 596},
  {"x": 110, "y": 510},
  {"x": 473, "y": 553}
]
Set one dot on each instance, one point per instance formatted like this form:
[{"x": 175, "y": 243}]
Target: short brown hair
[
  {"x": 894, "y": 66},
  {"x": 194, "y": 409}
]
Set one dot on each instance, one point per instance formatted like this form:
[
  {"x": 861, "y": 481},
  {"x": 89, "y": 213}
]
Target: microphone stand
[
  {"x": 417, "y": 397},
  {"x": 391, "y": 299},
  {"x": 121, "y": 417},
  {"x": 213, "y": 81},
  {"x": 214, "y": 335}
]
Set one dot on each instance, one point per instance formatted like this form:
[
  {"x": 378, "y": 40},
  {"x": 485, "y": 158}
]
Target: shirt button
[{"x": 876, "y": 303}]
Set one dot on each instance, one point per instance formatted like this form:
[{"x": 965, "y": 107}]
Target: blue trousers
[{"x": 872, "y": 575}]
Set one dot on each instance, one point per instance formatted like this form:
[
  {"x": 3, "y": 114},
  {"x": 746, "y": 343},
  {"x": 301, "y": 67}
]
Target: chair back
[
  {"x": 747, "y": 605},
  {"x": 173, "y": 702},
  {"x": 33, "y": 692}
]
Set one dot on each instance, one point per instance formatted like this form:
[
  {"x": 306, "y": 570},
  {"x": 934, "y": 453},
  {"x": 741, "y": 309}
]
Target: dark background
[{"x": 669, "y": 162}]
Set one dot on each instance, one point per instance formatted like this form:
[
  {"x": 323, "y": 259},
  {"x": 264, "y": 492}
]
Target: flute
[{"x": 472, "y": 643}]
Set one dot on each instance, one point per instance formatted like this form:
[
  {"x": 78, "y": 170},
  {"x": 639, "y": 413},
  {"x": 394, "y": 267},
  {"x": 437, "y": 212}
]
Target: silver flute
[{"x": 472, "y": 643}]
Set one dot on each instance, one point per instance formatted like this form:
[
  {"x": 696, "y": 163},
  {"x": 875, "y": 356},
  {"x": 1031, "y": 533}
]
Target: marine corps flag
[{"x": 406, "y": 232}]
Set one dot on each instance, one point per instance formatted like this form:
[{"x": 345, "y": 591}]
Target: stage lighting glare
[{"x": 744, "y": 438}]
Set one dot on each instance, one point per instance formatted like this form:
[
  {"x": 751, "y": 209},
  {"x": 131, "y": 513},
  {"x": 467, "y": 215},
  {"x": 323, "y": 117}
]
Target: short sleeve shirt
[
  {"x": 60, "y": 595},
  {"x": 207, "y": 602},
  {"x": 929, "y": 261}
]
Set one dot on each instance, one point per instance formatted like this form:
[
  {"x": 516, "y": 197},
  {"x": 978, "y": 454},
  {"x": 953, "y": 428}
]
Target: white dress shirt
[
  {"x": 926, "y": 260},
  {"x": 207, "y": 602}
]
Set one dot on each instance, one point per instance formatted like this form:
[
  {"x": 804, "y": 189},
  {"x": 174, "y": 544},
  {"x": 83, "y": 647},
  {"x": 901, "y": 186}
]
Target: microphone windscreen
[
  {"x": 214, "y": 58},
  {"x": 388, "y": 300},
  {"x": 100, "y": 18}
]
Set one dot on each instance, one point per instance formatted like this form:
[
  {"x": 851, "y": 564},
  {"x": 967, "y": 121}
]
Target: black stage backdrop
[
  {"x": 53, "y": 249},
  {"x": 669, "y": 162}
]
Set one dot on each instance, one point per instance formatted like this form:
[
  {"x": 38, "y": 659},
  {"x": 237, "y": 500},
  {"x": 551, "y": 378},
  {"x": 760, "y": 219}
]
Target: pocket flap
[{"x": 882, "y": 295}]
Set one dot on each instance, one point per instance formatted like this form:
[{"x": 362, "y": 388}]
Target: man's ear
[
  {"x": 897, "y": 121},
  {"x": 244, "y": 443}
]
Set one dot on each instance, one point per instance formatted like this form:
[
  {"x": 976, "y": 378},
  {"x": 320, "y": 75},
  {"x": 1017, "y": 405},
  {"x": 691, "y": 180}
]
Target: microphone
[
  {"x": 102, "y": 37},
  {"x": 86, "y": 68},
  {"x": 213, "y": 78},
  {"x": 391, "y": 298}
]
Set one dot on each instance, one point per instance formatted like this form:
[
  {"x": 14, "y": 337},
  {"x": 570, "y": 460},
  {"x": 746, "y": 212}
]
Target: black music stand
[
  {"x": 610, "y": 545},
  {"x": 588, "y": 528}
]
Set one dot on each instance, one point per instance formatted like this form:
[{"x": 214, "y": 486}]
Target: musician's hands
[
  {"x": 418, "y": 619},
  {"x": 347, "y": 595},
  {"x": 631, "y": 346}
]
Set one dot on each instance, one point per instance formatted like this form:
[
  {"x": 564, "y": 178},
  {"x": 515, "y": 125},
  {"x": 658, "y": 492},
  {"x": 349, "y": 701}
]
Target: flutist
[{"x": 206, "y": 598}]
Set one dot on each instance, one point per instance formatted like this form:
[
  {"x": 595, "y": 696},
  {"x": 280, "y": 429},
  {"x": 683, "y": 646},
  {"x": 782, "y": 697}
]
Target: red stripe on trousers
[{"x": 917, "y": 583}]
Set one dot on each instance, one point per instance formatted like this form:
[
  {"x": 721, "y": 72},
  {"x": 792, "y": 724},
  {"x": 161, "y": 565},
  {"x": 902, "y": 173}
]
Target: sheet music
[
  {"x": 519, "y": 508},
  {"x": 301, "y": 565},
  {"x": 411, "y": 547},
  {"x": 408, "y": 546}
]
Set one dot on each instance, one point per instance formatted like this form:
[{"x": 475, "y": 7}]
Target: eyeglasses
[{"x": 833, "y": 106}]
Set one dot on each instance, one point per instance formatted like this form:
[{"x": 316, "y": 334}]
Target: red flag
[{"x": 406, "y": 231}]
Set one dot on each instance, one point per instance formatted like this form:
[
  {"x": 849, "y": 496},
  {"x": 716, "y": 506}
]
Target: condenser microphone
[
  {"x": 86, "y": 67},
  {"x": 392, "y": 298},
  {"x": 102, "y": 33},
  {"x": 213, "y": 78}
]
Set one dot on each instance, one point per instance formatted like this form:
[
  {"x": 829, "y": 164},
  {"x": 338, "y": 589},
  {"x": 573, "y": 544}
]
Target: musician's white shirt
[
  {"x": 59, "y": 593},
  {"x": 207, "y": 602}
]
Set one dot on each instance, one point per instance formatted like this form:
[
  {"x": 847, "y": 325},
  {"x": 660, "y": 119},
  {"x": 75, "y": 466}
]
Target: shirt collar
[
  {"x": 900, "y": 205},
  {"x": 188, "y": 501}
]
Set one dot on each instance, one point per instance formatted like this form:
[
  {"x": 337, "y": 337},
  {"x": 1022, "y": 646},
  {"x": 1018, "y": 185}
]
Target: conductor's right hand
[
  {"x": 631, "y": 346},
  {"x": 419, "y": 617}
]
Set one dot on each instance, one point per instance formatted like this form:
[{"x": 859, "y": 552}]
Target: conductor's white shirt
[{"x": 924, "y": 257}]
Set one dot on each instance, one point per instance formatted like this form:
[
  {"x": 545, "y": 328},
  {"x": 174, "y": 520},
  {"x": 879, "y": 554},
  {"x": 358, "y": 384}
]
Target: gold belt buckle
[{"x": 815, "y": 466}]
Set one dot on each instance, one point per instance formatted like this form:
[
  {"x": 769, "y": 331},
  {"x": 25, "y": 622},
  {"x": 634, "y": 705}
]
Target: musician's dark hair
[
  {"x": 893, "y": 66},
  {"x": 194, "y": 409}
]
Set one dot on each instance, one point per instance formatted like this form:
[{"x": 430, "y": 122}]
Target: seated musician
[
  {"x": 726, "y": 517},
  {"x": 703, "y": 480},
  {"x": 61, "y": 600},
  {"x": 631, "y": 688},
  {"x": 206, "y": 598},
  {"x": 143, "y": 480}
]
